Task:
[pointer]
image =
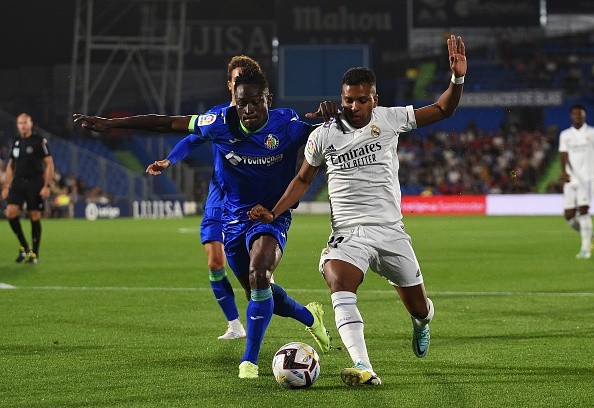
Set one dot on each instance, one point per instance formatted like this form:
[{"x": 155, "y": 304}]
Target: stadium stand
[{"x": 85, "y": 169}]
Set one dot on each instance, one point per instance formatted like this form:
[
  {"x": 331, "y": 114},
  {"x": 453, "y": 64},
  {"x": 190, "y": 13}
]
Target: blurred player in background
[
  {"x": 211, "y": 227},
  {"x": 255, "y": 154},
  {"x": 359, "y": 150},
  {"x": 576, "y": 151},
  {"x": 29, "y": 174}
]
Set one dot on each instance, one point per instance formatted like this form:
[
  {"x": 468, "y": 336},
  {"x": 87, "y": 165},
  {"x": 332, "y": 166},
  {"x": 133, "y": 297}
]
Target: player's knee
[
  {"x": 338, "y": 281},
  {"x": 35, "y": 215},
  {"x": 216, "y": 264},
  {"x": 11, "y": 212},
  {"x": 338, "y": 285},
  {"x": 260, "y": 277}
]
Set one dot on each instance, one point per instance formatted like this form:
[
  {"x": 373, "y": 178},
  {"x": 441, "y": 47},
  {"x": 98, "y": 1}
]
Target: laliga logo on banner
[{"x": 93, "y": 211}]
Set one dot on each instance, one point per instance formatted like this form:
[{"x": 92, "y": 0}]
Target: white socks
[
  {"x": 236, "y": 325},
  {"x": 424, "y": 322},
  {"x": 574, "y": 223},
  {"x": 585, "y": 231},
  {"x": 350, "y": 326}
]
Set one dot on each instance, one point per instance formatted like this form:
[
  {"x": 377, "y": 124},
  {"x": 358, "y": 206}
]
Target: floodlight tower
[{"x": 138, "y": 41}]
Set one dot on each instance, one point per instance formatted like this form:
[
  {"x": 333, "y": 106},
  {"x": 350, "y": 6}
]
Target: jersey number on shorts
[{"x": 334, "y": 241}]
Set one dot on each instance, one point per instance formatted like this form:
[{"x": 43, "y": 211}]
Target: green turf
[{"x": 119, "y": 313}]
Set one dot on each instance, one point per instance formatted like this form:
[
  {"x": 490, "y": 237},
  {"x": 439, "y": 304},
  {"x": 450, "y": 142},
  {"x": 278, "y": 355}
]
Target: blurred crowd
[
  {"x": 67, "y": 190},
  {"x": 506, "y": 161},
  {"x": 474, "y": 162}
]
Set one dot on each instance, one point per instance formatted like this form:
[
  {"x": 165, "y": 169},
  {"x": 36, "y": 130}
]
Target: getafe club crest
[
  {"x": 375, "y": 131},
  {"x": 271, "y": 142}
]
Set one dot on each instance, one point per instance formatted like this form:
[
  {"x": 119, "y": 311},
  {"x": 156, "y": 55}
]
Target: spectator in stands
[
  {"x": 573, "y": 77},
  {"x": 97, "y": 195},
  {"x": 2, "y": 172},
  {"x": 61, "y": 205},
  {"x": 473, "y": 162}
]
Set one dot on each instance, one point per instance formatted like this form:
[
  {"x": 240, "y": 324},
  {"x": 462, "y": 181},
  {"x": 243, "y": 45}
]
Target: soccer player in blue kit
[
  {"x": 211, "y": 227},
  {"x": 256, "y": 153}
]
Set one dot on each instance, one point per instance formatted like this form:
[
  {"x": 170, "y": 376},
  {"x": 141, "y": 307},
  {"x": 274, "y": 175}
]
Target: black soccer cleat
[{"x": 22, "y": 255}]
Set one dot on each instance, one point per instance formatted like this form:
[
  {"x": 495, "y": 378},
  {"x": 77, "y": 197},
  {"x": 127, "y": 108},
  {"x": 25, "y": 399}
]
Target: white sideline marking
[
  {"x": 186, "y": 230},
  {"x": 164, "y": 289}
]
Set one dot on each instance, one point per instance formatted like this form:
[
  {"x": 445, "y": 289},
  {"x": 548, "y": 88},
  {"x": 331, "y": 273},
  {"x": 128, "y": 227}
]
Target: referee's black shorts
[{"x": 26, "y": 190}]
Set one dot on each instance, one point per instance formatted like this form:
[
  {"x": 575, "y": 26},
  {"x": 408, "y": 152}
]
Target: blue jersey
[
  {"x": 253, "y": 168},
  {"x": 215, "y": 197}
]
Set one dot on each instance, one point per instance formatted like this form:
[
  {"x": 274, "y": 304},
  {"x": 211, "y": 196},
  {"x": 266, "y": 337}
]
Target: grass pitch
[{"x": 119, "y": 313}]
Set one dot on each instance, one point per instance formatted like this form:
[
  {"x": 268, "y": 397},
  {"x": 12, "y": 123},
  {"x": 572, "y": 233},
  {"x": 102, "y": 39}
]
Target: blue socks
[
  {"x": 258, "y": 315},
  {"x": 221, "y": 287},
  {"x": 263, "y": 303},
  {"x": 286, "y": 306}
]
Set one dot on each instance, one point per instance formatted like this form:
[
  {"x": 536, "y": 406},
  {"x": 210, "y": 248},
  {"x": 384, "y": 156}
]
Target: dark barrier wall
[{"x": 475, "y": 13}]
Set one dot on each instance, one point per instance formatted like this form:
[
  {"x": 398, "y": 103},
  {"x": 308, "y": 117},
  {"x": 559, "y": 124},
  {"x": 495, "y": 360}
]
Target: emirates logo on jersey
[{"x": 271, "y": 142}]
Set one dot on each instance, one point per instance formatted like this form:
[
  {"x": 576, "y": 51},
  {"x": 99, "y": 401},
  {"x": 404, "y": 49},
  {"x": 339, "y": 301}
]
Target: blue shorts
[
  {"x": 211, "y": 227},
  {"x": 239, "y": 238}
]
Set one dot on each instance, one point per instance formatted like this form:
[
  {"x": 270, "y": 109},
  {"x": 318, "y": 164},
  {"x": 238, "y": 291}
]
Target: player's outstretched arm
[
  {"x": 157, "y": 167},
  {"x": 261, "y": 213},
  {"x": 149, "y": 123},
  {"x": 292, "y": 194},
  {"x": 448, "y": 101}
]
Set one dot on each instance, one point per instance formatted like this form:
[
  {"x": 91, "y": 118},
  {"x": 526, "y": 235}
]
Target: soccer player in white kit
[
  {"x": 359, "y": 150},
  {"x": 576, "y": 151}
]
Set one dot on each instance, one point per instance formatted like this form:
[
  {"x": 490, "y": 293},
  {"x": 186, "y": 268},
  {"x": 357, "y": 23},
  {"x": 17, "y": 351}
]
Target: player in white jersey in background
[
  {"x": 359, "y": 150},
  {"x": 576, "y": 151}
]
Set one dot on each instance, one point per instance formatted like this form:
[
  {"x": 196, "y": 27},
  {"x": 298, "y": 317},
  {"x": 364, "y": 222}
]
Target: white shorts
[
  {"x": 386, "y": 250},
  {"x": 576, "y": 195}
]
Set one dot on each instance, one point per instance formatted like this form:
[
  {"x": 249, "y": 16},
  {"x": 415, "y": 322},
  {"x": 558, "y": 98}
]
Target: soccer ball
[{"x": 296, "y": 365}]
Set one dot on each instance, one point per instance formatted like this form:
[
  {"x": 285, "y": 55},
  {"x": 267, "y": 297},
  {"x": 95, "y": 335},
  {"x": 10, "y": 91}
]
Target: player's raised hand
[
  {"x": 260, "y": 213},
  {"x": 95, "y": 123},
  {"x": 457, "y": 53},
  {"x": 327, "y": 110},
  {"x": 156, "y": 167}
]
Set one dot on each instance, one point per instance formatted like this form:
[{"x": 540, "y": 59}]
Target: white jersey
[
  {"x": 362, "y": 166},
  {"x": 579, "y": 145}
]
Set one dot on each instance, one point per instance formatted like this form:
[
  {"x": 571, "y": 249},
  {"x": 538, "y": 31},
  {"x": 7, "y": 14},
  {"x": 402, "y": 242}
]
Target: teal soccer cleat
[{"x": 420, "y": 341}]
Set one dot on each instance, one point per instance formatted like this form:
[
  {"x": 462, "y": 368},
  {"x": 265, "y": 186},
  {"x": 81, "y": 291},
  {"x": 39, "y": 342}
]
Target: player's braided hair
[
  {"x": 250, "y": 75},
  {"x": 355, "y": 76}
]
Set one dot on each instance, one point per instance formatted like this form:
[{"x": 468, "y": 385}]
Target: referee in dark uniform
[{"x": 29, "y": 173}]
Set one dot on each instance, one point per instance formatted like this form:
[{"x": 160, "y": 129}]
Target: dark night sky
[
  {"x": 35, "y": 32},
  {"x": 39, "y": 32}
]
